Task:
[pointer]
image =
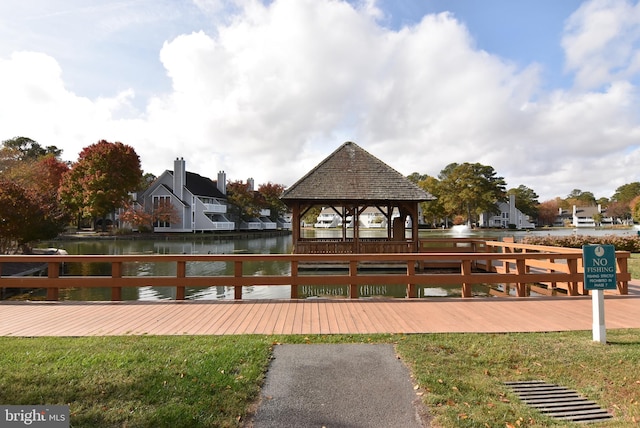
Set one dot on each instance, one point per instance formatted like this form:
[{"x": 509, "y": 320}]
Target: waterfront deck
[{"x": 316, "y": 316}]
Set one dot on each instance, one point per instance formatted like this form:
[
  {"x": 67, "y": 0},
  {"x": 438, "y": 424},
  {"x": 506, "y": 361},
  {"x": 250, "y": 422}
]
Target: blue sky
[{"x": 544, "y": 91}]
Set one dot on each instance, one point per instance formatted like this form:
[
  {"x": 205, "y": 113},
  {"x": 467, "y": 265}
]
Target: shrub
[{"x": 620, "y": 242}]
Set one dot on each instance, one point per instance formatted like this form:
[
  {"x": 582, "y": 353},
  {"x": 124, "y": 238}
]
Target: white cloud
[
  {"x": 601, "y": 42},
  {"x": 278, "y": 86}
]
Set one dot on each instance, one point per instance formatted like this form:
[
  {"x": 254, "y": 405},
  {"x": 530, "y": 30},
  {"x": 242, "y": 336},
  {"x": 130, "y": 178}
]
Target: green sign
[{"x": 599, "y": 267}]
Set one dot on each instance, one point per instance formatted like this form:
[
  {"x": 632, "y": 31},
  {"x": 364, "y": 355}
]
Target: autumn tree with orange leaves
[
  {"x": 30, "y": 209},
  {"x": 271, "y": 196},
  {"x": 101, "y": 180}
]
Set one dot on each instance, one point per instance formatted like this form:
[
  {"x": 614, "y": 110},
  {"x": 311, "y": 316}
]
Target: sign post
[{"x": 599, "y": 275}]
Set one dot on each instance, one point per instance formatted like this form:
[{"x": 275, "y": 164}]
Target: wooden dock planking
[{"x": 315, "y": 316}]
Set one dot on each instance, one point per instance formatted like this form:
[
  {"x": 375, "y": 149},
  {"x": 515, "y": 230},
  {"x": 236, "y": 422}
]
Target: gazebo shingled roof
[
  {"x": 353, "y": 179},
  {"x": 352, "y": 174}
]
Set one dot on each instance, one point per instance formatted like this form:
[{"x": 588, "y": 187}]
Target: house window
[{"x": 159, "y": 202}]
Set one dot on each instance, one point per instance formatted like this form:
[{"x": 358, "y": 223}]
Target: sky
[{"x": 544, "y": 91}]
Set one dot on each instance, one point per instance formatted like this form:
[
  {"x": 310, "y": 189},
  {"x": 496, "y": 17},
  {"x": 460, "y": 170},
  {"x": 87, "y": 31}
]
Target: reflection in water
[
  {"x": 268, "y": 245},
  {"x": 398, "y": 290}
]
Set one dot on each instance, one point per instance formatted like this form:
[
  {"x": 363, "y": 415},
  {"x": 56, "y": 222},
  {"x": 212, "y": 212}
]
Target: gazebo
[{"x": 349, "y": 181}]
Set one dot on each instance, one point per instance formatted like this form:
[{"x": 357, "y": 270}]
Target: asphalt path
[{"x": 341, "y": 385}]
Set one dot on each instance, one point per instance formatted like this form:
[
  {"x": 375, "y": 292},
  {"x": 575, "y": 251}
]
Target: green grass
[
  {"x": 634, "y": 265},
  {"x": 136, "y": 381},
  {"x": 203, "y": 381}
]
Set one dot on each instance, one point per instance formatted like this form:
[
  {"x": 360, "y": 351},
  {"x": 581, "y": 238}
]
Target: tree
[
  {"x": 416, "y": 178},
  {"x": 271, "y": 194},
  {"x": 432, "y": 211},
  {"x": 627, "y": 192},
  {"x": 30, "y": 208},
  {"x": 26, "y": 216},
  {"x": 101, "y": 180},
  {"x": 239, "y": 194},
  {"x": 470, "y": 189},
  {"x": 526, "y": 200},
  {"x": 163, "y": 211},
  {"x": 581, "y": 199},
  {"x": 310, "y": 216},
  {"x": 619, "y": 210},
  {"x": 548, "y": 212},
  {"x": 635, "y": 209},
  {"x": 138, "y": 218},
  {"x": 25, "y": 148}
]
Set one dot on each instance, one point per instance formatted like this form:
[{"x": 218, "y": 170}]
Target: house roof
[
  {"x": 352, "y": 174},
  {"x": 202, "y": 186},
  {"x": 588, "y": 211}
]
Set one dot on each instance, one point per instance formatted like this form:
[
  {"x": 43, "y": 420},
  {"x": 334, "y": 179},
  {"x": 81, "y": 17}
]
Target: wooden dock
[{"x": 316, "y": 316}]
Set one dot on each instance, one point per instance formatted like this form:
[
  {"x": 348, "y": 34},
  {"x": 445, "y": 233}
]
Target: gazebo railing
[{"x": 351, "y": 246}]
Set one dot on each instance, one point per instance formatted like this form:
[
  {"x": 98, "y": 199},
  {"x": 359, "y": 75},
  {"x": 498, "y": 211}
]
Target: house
[
  {"x": 328, "y": 218},
  {"x": 508, "y": 215},
  {"x": 284, "y": 221},
  {"x": 591, "y": 216},
  {"x": 201, "y": 203},
  {"x": 376, "y": 217}
]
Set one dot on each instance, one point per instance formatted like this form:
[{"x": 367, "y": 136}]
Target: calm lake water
[{"x": 209, "y": 244}]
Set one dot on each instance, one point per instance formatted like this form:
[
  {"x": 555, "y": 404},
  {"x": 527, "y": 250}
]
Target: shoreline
[{"x": 176, "y": 236}]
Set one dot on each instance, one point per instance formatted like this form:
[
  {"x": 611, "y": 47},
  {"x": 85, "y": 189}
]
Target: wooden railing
[
  {"x": 554, "y": 260},
  {"x": 506, "y": 267}
]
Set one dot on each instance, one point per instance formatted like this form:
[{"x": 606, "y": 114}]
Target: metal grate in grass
[{"x": 558, "y": 402}]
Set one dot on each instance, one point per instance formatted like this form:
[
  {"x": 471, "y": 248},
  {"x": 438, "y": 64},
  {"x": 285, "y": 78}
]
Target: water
[{"x": 207, "y": 244}]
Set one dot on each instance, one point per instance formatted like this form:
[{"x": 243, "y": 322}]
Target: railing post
[
  {"x": 181, "y": 274},
  {"x": 237, "y": 289},
  {"x": 466, "y": 270},
  {"x": 572, "y": 286},
  {"x": 294, "y": 279},
  {"x": 412, "y": 290},
  {"x": 116, "y": 273},
  {"x": 353, "y": 272},
  {"x": 521, "y": 269},
  {"x": 53, "y": 271},
  {"x": 623, "y": 286},
  {"x": 554, "y": 284}
]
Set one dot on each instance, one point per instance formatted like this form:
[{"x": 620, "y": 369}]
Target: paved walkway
[
  {"x": 316, "y": 316},
  {"x": 343, "y": 385}
]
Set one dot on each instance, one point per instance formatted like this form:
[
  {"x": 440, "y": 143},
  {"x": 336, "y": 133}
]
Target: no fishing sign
[{"x": 599, "y": 274}]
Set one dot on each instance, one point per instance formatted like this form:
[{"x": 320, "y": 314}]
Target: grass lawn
[
  {"x": 634, "y": 265},
  {"x": 205, "y": 381}
]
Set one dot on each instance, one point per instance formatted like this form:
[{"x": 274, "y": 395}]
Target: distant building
[
  {"x": 508, "y": 215},
  {"x": 200, "y": 202},
  {"x": 579, "y": 217},
  {"x": 591, "y": 216}
]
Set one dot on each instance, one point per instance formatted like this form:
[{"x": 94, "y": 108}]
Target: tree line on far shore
[
  {"x": 464, "y": 191},
  {"x": 41, "y": 195}
]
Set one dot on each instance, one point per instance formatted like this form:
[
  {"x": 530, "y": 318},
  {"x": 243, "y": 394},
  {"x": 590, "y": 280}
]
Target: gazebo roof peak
[{"x": 351, "y": 173}]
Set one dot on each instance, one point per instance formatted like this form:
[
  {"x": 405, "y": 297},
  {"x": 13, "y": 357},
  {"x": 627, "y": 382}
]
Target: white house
[
  {"x": 200, "y": 202},
  {"x": 508, "y": 214},
  {"x": 328, "y": 218},
  {"x": 591, "y": 216},
  {"x": 376, "y": 218}
]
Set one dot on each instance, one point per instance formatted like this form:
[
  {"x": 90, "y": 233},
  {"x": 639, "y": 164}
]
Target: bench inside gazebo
[{"x": 349, "y": 181}]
